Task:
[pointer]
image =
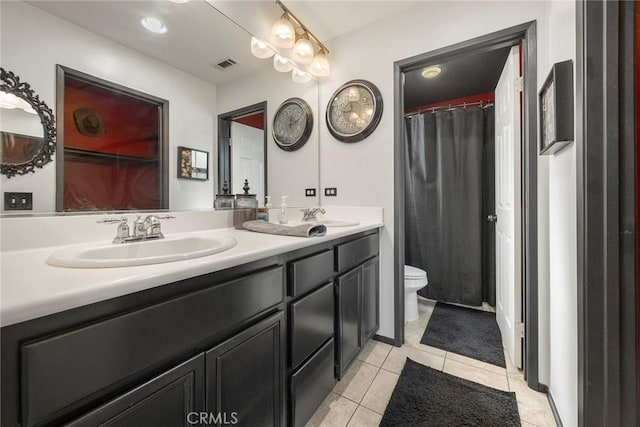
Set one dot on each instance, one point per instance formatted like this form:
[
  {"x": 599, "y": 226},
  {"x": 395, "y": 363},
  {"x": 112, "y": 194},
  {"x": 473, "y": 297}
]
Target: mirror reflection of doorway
[{"x": 242, "y": 139}]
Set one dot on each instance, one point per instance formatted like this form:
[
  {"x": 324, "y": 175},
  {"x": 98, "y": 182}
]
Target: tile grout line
[{"x": 367, "y": 391}]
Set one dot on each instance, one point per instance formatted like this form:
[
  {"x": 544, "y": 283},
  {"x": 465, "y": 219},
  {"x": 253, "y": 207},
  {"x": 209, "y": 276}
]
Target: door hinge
[
  {"x": 520, "y": 329},
  {"x": 519, "y": 84}
]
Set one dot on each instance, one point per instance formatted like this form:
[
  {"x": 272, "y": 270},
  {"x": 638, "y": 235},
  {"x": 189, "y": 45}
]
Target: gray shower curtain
[{"x": 449, "y": 192}]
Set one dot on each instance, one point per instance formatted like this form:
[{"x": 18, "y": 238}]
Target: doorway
[
  {"x": 523, "y": 35},
  {"x": 242, "y": 150}
]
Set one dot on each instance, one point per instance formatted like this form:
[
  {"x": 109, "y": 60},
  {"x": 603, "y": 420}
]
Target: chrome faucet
[
  {"x": 146, "y": 229},
  {"x": 309, "y": 214}
]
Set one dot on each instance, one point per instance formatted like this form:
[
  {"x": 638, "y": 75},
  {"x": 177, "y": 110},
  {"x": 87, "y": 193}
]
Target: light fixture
[
  {"x": 289, "y": 32},
  {"x": 179, "y": 1},
  {"x": 320, "y": 66},
  {"x": 282, "y": 33},
  {"x": 154, "y": 25},
  {"x": 431, "y": 72},
  {"x": 300, "y": 76},
  {"x": 259, "y": 49},
  {"x": 303, "y": 51},
  {"x": 282, "y": 64}
]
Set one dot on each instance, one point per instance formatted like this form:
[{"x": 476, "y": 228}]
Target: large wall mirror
[{"x": 177, "y": 65}]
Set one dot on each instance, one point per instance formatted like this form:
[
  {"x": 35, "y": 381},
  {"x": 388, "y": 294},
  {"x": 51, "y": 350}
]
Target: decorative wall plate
[
  {"x": 354, "y": 111},
  {"x": 292, "y": 124}
]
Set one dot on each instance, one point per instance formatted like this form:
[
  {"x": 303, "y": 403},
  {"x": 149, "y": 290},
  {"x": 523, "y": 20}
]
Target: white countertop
[{"x": 31, "y": 288}]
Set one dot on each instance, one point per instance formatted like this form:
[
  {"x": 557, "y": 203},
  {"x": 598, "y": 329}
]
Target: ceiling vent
[{"x": 225, "y": 63}]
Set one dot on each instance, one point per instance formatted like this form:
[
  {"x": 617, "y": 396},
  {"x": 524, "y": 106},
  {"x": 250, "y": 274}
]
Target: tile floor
[{"x": 360, "y": 398}]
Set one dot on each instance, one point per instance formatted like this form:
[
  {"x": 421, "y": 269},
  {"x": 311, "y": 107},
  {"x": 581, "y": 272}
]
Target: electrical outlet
[
  {"x": 331, "y": 191},
  {"x": 310, "y": 192},
  {"x": 18, "y": 201}
]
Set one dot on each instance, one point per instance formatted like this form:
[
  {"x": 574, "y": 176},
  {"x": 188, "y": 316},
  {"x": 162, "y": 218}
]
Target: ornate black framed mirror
[{"x": 27, "y": 130}]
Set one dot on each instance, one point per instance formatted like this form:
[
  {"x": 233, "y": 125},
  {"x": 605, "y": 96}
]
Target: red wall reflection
[{"x": 111, "y": 149}]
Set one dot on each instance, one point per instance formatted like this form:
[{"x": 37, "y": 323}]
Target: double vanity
[{"x": 254, "y": 335}]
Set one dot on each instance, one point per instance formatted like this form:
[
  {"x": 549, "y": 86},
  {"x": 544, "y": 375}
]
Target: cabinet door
[
  {"x": 349, "y": 325},
  {"x": 169, "y": 399},
  {"x": 245, "y": 376},
  {"x": 370, "y": 298}
]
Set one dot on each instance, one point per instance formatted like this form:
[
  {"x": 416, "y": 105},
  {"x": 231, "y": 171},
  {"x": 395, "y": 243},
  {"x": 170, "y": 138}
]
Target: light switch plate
[{"x": 331, "y": 191}]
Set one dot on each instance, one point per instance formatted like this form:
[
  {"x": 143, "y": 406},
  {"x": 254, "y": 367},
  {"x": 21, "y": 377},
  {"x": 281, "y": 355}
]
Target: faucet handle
[{"x": 122, "y": 220}]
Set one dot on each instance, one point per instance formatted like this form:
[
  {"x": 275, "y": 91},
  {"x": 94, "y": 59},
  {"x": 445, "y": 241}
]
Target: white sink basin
[{"x": 141, "y": 253}]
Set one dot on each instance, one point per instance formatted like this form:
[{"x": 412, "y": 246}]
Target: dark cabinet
[
  {"x": 357, "y": 308},
  {"x": 349, "y": 321},
  {"x": 245, "y": 376},
  {"x": 174, "y": 398},
  {"x": 311, "y": 384},
  {"x": 311, "y": 323},
  {"x": 370, "y": 298}
]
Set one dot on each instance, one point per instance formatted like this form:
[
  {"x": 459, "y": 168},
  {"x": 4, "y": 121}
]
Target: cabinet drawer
[
  {"x": 167, "y": 400},
  {"x": 355, "y": 252},
  {"x": 311, "y": 384},
  {"x": 307, "y": 273},
  {"x": 311, "y": 323},
  {"x": 62, "y": 372}
]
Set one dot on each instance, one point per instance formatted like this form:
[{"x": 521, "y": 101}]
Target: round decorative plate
[
  {"x": 354, "y": 111},
  {"x": 292, "y": 124}
]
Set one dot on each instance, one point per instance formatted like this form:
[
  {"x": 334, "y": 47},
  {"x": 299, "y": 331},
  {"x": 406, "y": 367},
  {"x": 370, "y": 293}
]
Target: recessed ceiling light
[
  {"x": 431, "y": 72},
  {"x": 154, "y": 25},
  {"x": 179, "y": 1}
]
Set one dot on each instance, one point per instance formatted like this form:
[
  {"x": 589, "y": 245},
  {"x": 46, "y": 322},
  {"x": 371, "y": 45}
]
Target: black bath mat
[
  {"x": 426, "y": 397},
  {"x": 471, "y": 333}
]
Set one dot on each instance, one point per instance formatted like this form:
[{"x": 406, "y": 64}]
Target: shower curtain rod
[{"x": 482, "y": 104}]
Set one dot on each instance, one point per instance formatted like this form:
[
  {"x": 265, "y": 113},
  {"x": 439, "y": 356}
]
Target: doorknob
[{"x": 492, "y": 218}]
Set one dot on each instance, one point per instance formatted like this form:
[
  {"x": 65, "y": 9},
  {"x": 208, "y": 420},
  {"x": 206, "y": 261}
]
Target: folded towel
[{"x": 303, "y": 230}]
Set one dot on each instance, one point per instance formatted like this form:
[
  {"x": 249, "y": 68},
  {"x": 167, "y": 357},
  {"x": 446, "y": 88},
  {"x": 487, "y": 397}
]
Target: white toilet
[{"x": 414, "y": 279}]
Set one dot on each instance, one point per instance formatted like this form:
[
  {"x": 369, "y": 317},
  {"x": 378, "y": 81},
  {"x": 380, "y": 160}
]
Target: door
[
  {"x": 508, "y": 209},
  {"x": 349, "y": 302},
  {"x": 174, "y": 398},
  {"x": 247, "y": 159},
  {"x": 245, "y": 376}
]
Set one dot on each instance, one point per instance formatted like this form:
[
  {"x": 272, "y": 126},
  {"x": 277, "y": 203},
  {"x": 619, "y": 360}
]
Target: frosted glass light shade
[
  {"x": 282, "y": 33},
  {"x": 303, "y": 51},
  {"x": 259, "y": 49},
  {"x": 320, "y": 66},
  {"x": 282, "y": 64},
  {"x": 299, "y": 76}
]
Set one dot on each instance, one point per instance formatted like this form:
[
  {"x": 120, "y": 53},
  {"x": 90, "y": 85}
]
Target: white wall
[
  {"x": 288, "y": 172},
  {"x": 33, "y": 42},
  {"x": 563, "y": 264},
  {"x": 364, "y": 172}
]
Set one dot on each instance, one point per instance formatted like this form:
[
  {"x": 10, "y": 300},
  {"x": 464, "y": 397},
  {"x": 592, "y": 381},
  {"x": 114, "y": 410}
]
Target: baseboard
[
  {"x": 556, "y": 415},
  {"x": 385, "y": 340}
]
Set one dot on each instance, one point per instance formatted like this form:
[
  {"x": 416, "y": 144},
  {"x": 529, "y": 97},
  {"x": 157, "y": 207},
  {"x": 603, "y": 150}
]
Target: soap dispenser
[
  {"x": 282, "y": 217},
  {"x": 263, "y": 213},
  {"x": 245, "y": 207}
]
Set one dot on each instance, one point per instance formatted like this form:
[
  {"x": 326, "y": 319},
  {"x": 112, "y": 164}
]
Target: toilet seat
[{"x": 411, "y": 272}]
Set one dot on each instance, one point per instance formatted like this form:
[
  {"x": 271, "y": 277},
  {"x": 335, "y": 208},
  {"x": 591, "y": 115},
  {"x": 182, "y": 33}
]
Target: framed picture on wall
[
  {"x": 556, "y": 109},
  {"x": 193, "y": 164}
]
